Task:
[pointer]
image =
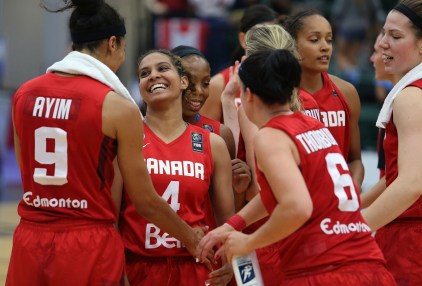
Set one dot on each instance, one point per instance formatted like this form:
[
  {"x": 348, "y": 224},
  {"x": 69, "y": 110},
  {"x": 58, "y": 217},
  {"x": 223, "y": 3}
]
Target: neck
[
  {"x": 311, "y": 82},
  {"x": 166, "y": 126},
  {"x": 269, "y": 113},
  {"x": 191, "y": 119}
]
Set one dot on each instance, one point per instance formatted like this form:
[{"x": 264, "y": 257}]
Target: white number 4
[{"x": 172, "y": 194}]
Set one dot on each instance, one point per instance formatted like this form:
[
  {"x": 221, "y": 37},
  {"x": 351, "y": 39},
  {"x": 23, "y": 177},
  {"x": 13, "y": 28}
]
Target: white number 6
[{"x": 341, "y": 182}]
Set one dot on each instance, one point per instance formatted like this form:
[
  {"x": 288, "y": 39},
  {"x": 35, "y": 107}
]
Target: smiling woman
[{"x": 184, "y": 161}]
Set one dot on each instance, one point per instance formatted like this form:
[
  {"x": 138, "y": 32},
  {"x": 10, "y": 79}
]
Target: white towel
[
  {"x": 83, "y": 64},
  {"x": 387, "y": 108}
]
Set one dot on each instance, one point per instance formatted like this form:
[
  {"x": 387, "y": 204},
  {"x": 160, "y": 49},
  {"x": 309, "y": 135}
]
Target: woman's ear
[
  {"x": 420, "y": 46},
  {"x": 242, "y": 39},
  {"x": 249, "y": 95},
  {"x": 184, "y": 81},
  {"x": 112, "y": 43}
]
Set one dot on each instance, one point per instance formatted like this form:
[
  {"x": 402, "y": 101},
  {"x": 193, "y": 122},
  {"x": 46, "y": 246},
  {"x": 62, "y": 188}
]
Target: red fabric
[
  {"x": 175, "y": 5},
  {"x": 165, "y": 271},
  {"x": 209, "y": 124},
  {"x": 181, "y": 173},
  {"x": 336, "y": 233},
  {"x": 334, "y": 112},
  {"x": 391, "y": 143},
  {"x": 401, "y": 244},
  {"x": 172, "y": 32},
  {"x": 67, "y": 161},
  {"x": 237, "y": 222},
  {"x": 362, "y": 274},
  {"x": 400, "y": 240},
  {"x": 66, "y": 254}
]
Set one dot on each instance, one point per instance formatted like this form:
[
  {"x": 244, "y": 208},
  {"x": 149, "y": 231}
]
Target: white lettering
[
  {"x": 313, "y": 113},
  {"x": 333, "y": 118},
  {"x": 315, "y": 140},
  {"x": 153, "y": 239},
  {"x": 179, "y": 168},
  {"x": 341, "y": 228},
  {"x": 43, "y": 107},
  {"x": 38, "y": 107},
  {"x": 54, "y": 202},
  {"x": 50, "y": 102},
  {"x": 62, "y": 109}
]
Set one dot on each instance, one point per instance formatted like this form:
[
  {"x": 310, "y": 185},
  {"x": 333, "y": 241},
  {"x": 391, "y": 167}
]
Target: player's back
[
  {"x": 65, "y": 159},
  {"x": 336, "y": 233}
]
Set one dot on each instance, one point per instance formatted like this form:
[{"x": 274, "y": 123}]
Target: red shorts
[
  {"x": 66, "y": 253},
  {"x": 356, "y": 274},
  {"x": 401, "y": 244},
  {"x": 162, "y": 271},
  {"x": 269, "y": 263}
]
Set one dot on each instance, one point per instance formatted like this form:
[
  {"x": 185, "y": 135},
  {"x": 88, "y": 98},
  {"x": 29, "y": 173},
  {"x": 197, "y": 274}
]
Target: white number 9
[{"x": 58, "y": 157}]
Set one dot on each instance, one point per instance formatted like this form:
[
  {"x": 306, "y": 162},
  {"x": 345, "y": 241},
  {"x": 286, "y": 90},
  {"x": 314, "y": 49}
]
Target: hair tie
[{"x": 413, "y": 17}]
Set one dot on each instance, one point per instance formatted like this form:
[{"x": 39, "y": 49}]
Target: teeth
[
  {"x": 195, "y": 104},
  {"x": 157, "y": 86}
]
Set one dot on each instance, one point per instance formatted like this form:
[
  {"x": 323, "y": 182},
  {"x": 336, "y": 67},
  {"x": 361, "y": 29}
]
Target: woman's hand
[{"x": 242, "y": 176}]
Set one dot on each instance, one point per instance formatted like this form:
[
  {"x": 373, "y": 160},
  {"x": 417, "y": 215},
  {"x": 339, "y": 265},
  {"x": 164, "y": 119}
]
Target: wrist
[
  {"x": 227, "y": 99},
  {"x": 237, "y": 222}
]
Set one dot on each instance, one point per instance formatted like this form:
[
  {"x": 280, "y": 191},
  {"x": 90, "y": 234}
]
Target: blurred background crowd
[{"x": 27, "y": 33}]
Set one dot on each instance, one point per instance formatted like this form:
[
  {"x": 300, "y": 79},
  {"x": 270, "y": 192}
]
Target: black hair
[
  {"x": 294, "y": 24},
  {"x": 271, "y": 74},
  {"x": 254, "y": 14},
  {"x": 414, "y": 7},
  {"x": 188, "y": 51},
  {"x": 175, "y": 60},
  {"x": 184, "y": 51},
  {"x": 91, "y": 22}
]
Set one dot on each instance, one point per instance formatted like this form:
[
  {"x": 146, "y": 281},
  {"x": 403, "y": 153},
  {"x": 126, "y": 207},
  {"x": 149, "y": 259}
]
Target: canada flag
[{"x": 172, "y": 32}]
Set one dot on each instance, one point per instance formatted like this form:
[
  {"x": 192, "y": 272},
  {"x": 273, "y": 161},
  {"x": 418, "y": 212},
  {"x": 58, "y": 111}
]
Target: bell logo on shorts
[
  {"x": 197, "y": 142},
  {"x": 246, "y": 272}
]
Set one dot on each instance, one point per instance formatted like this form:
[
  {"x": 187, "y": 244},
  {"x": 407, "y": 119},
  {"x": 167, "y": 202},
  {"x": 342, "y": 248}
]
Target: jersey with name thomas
[{"x": 336, "y": 233}]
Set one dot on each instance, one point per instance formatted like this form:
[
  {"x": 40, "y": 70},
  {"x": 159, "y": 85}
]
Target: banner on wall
[{"x": 172, "y": 32}]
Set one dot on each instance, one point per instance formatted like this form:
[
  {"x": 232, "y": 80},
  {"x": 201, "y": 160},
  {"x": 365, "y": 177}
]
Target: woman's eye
[
  {"x": 163, "y": 68},
  {"x": 143, "y": 74}
]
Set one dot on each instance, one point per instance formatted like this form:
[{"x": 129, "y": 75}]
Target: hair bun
[{"x": 87, "y": 7}]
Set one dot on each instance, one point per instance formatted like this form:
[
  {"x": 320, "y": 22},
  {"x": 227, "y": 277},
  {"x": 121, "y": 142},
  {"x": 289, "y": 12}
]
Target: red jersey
[
  {"x": 334, "y": 112},
  {"x": 336, "y": 233},
  {"x": 391, "y": 144},
  {"x": 181, "y": 173},
  {"x": 66, "y": 160},
  {"x": 207, "y": 124},
  {"x": 309, "y": 105}
]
